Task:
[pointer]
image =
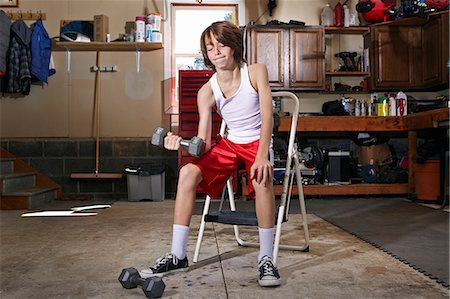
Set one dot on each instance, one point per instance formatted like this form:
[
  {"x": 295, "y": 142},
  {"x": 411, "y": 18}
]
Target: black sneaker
[
  {"x": 166, "y": 264},
  {"x": 268, "y": 273}
]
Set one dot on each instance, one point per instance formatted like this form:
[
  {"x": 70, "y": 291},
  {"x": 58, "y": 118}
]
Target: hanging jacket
[
  {"x": 19, "y": 75},
  {"x": 40, "y": 53},
  {"x": 5, "y": 26}
]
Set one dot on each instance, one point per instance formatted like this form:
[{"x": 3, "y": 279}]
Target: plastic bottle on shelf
[
  {"x": 148, "y": 32},
  {"x": 327, "y": 16},
  {"x": 140, "y": 29},
  {"x": 154, "y": 19},
  {"x": 363, "y": 108},
  {"x": 357, "y": 108},
  {"x": 338, "y": 15},
  {"x": 392, "y": 106},
  {"x": 346, "y": 16},
  {"x": 402, "y": 104}
]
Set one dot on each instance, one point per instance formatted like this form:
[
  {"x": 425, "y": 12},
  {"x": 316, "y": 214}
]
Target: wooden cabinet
[
  {"x": 294, "y": 55},
  {"x": 435, "y": 51},
  {"x": 395, "y": 50},
  {"x": 410, "y": 54}
]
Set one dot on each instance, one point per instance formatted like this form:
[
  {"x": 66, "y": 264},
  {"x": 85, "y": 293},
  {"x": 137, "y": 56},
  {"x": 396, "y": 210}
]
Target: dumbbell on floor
[
  {"x": 195, "y": 146},
  {"x": 152, "y": 287}
]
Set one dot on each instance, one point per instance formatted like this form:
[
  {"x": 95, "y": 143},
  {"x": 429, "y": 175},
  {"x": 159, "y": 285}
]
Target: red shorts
[{"x": 221, "y": 160}]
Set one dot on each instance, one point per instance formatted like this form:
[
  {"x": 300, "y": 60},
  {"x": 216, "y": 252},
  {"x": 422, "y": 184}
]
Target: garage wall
[{"x": 131, "y": 102}]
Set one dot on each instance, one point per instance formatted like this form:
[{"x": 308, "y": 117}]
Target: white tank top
[{"x": 241, "y": 111}]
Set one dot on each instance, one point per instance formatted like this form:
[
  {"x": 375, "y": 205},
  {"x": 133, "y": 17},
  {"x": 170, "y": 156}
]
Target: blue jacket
[{"x": 40, "y": 52}]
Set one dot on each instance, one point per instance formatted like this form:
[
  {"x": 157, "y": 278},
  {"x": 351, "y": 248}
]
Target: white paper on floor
[
  {"x": 94, "y": 207},
  {"x": 57, "y": 214}
]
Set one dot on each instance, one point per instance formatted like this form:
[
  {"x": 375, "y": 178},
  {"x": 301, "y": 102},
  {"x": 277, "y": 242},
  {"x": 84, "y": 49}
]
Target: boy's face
[{"x": 219, "y": 54}]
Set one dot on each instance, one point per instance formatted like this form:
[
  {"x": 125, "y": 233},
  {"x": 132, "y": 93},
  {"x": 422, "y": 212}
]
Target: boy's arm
[
  {"x": 262, "y": 170},
  {"x": 205, "y": 103},
  {"x": 265, "y": 103}
]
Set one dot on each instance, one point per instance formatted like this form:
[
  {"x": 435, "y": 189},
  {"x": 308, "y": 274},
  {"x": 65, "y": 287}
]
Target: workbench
[{"x": 410, "y": 124}]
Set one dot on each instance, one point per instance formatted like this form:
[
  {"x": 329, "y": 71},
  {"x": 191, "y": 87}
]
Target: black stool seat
[{"x": 235, "y": 217}]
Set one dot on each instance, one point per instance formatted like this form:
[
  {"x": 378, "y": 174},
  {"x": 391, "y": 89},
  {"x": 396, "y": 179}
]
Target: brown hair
[{"x": 226, "y": 33}]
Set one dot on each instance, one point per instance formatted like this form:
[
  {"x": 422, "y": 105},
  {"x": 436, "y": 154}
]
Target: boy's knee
[{"x": 190, "y": 174}]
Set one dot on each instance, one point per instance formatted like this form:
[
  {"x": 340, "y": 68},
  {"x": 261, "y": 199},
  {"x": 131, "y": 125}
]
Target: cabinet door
[
  {"x": 431, "y": 58},
  {"x": 435, "y": 52},
  {"x": 395, "y": 50},
  {"x": 307, "y": 58},
  {"x": 266, "y": 46}
]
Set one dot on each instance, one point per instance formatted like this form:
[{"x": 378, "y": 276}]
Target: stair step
[
  {"x": 29, "y": 191},
  {"x": 28, "y": 199},
  {"x": 17, "y": 181},
  {"x": 7, "y": 165}
]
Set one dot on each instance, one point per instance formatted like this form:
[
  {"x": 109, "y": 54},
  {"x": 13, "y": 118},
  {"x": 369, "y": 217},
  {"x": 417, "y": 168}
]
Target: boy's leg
[
  {"x": 176, "y": 260},
  {"x": 265, "y": 211}
]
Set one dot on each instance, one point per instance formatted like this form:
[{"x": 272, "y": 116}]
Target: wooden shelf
[
  {"x": 343, "y": 92},
  {"x": 344, "y": 123},
  {"x": 347, "y": 30},
  {"x": 427, "y": 119},
  {"x": 347, "y": 73},
  {"x": 107, "y": 47},
  {"x": 412, "y": 21},
  {"x": 352, "y": 189}
]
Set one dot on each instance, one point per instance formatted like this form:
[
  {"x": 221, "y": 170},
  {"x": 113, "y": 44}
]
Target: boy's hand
[
  {"x": 262, "y": 172},
  {"x": 172, "y": 142}
]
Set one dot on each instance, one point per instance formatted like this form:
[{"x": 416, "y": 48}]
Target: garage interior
[{"x": 371, "y": 135}]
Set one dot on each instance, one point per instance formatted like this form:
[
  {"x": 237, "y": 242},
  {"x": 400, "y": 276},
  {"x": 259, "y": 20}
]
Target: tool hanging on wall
[
  {"x": 96, "y": 174},
  {"x": 26, "y": 16}
]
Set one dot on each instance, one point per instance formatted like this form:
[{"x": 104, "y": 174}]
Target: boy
[{"x": 242, "y": 96}]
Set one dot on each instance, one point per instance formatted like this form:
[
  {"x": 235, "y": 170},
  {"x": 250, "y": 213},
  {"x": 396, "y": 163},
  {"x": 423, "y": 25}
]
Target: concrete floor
[{"x": 81, "y": 257}]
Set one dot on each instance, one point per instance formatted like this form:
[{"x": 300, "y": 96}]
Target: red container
[
  {"x": 338, "y": 15},
  {"x": 427, "y": 180}
]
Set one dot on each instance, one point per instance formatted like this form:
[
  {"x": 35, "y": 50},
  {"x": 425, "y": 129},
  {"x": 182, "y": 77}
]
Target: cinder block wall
[{"x": 59, "y": 157}]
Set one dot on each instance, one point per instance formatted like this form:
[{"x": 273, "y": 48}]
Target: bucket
[{"x": 427, "y": 180}]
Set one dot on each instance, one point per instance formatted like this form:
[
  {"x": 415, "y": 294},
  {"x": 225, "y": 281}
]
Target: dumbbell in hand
[
  {"x": 152, "y": 287},
  {"x": 195, "y": 146}
]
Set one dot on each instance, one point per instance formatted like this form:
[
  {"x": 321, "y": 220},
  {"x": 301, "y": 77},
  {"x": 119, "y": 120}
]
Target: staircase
[{"x": 22, "y": 187}]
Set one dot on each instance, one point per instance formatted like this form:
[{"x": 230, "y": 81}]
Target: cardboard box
[
  {"x": 380, "y": 154},
  {"x": 101, "y": 28}
]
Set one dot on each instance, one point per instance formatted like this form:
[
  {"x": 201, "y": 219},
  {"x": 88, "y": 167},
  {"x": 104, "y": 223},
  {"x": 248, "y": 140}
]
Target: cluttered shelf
[
  {"x": 421, "y": 120},
  {"x": 344, "y": 123},
  {"x": 347, "y": 30},
  {"x": 409, "y": 123},
  {"x": 107, "y": 47},
  {"x": 351, "y": 189},
  {"x": 344, "y": 73}
]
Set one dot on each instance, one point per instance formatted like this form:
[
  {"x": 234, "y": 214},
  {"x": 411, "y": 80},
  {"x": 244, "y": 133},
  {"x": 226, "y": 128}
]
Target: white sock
[
  {"x": 179, "y": 240},
  {"x": 266, "y": 236}
]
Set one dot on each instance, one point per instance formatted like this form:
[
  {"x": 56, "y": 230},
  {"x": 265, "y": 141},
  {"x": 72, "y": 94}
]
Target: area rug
[{"x": 414, "y": 234}]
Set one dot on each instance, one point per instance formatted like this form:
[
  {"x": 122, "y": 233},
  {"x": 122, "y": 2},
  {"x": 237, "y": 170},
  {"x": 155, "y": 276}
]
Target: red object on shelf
[
  {"x": 338, "y": 15},
  {"x": 379, "y": 13}
]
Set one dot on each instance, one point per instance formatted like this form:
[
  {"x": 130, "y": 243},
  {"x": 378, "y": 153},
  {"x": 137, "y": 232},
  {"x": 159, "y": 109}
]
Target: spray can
[{"x": 357, "y": 108}]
